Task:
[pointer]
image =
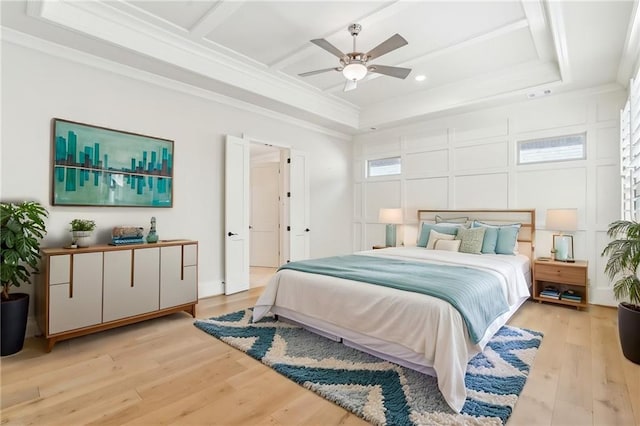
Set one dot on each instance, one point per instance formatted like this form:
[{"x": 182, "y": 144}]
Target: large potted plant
[
  {"x": 22, "y": 229},
  {"x": 622, "y": 266}
]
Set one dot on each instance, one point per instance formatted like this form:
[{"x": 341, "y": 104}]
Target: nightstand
[
  {"x": 379, "y": 247},
  {"x": 568, "y": 279}
]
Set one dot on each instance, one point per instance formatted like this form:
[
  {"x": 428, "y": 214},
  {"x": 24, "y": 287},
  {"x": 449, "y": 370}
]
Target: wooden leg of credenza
[
  {"x": 50, "y": 343},
  {"x": 192, "y": 310}
]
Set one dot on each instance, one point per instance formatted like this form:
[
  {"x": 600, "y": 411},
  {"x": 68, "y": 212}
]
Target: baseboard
[
  {"x": 32, "y": 327},
  {"x": 210, "y": 288}
]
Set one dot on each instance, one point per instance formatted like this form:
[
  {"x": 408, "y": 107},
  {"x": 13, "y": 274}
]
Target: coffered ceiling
[{"x": 472, "y": 53}]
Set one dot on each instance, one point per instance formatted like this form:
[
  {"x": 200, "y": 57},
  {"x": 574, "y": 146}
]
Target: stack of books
[
  {"x": 126, "y": 240},
  {"x": 121, "y": 235},
  {"x": 571, "y": 296},
  {"x": 550, "y": 293}
]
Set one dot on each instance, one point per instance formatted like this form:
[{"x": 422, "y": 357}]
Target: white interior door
[
  {"x": 236, "y": 218},
  {"x": 265, "y": 215},
  {"x": 299, "y": 214}
]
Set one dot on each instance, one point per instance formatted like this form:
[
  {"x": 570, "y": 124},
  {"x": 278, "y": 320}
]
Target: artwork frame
[
  {"x": 563, "y": 247},
  {"x": 103, "y": 167}
]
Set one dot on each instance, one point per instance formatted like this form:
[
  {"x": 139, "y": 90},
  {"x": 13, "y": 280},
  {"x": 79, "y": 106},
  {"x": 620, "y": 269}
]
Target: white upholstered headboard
[{"x": 526, "y": 217}]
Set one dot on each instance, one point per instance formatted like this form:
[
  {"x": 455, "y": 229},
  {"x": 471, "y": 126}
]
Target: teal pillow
[
  {"x": 490, "y": 240},
  {"x": 427, "y": 227},
  {"x": 502, "y": 238}
]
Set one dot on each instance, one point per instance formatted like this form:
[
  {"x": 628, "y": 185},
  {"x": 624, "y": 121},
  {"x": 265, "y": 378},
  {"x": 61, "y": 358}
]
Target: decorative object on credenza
[
  {"x": 81, "y": 229},
  {"x": 22, "y": 228},
  {"x": 152, "y": 236},
  {"x": 121, "y": 235},
  {"x": 97, "y": 166}
]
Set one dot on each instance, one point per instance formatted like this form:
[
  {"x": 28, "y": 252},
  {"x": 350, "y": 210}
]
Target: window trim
[
  {"x": 521, "y": 142},
  {"x": 368, "y": 168}
]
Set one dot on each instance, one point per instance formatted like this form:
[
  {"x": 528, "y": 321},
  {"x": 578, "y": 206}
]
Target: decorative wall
[{"x": 469, "y": 161}]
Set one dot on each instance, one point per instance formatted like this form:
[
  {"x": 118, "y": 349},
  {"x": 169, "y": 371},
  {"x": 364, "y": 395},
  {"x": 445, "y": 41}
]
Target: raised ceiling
[{"x": 472, "y": 53}]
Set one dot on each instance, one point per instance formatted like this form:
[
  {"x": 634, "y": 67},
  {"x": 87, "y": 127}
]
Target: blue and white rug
[{"x": 381, "y": 392}]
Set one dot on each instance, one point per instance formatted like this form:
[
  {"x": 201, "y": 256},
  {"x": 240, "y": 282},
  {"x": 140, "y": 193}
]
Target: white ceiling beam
[
  {"x": 103, "y": 22},
  {"x": 631, "y": 51},
  {"x": 308, "y": 49},
  {"x": 539, "y": 29},
  {"x": 503, "y": 30},
  {"x": 559, "y": 34},
  {"x": 216, "y": 16}
]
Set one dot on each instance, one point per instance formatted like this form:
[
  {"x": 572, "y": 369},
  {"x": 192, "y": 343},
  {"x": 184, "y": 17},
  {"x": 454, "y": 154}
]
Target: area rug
[{"x": 378, "y": 391}]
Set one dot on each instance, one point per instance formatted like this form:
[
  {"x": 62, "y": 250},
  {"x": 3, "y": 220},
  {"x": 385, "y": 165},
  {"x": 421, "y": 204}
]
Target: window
[
  {"x": 384, "y": 167},
  {"x": 559, "y": 148},
  {"x": 630, "y": 152}
]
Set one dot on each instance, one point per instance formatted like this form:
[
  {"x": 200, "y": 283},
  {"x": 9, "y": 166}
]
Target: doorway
[
  {"x": 294, "y": 230},
  {"x": 265, "y": 212}
]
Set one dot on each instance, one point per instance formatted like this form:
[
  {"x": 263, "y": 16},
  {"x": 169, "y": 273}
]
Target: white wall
[
  {"x": 37, "y": 87},
  {"x": 468, "y": 161}
]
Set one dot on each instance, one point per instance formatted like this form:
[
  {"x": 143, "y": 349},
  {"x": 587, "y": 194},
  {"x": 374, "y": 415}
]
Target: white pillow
[
  {"x": 448, "y": 245},
  {"x": 435, "y": 235}
]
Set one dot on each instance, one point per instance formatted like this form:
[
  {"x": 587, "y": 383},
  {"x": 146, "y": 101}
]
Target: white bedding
[{"x": 430, "y": 330}]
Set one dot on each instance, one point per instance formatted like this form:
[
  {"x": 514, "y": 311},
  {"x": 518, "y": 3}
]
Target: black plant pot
[
  {"x": 629, "y": 329},
  {"x": 13, "y": 313}
]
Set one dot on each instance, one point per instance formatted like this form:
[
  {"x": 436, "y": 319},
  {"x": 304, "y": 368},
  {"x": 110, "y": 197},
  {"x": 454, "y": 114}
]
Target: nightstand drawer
[{"x": 561, "y": 274}]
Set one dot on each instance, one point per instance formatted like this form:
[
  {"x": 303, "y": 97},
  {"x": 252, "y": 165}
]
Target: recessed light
[{"x": 421, "y": 77}]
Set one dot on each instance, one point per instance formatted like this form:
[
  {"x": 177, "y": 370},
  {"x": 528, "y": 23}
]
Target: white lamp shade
[
  {"x": 354, "y": 71},
  {"x": 390, "y": 216},
  {"x": 562, "y": 219}
]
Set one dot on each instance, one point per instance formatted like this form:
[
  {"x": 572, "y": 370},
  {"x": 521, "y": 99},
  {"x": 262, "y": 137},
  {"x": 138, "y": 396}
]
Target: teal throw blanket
[{"x": 476, "y": 294}]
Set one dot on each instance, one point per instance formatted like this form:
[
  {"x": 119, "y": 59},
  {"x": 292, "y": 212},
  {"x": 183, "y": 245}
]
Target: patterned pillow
[
  {"x": 435, "y": 236},
  {"x": 448, "y": 245},
  {"x": 471, "y": 240}
]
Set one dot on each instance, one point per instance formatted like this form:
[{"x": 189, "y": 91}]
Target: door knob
[
  {"x": 307, "y": 230},
  {"x": 231, "y": 233}
]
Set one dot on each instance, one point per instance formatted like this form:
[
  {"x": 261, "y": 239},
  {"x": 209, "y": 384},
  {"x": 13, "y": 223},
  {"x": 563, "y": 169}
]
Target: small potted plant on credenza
[
  {"x": 81, "y": 229},
  {"x": 622, "y": 266},
  {"x": 22, "y": 228}
]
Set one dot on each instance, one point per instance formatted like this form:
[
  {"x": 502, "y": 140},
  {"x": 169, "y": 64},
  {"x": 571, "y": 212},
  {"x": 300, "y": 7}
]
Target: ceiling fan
[{"x": 354, "y": 65}]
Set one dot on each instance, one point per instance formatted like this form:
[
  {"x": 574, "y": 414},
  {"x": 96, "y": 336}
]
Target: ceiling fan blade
[
  {"x": 390, "y": 71},
  {"x": 320, "y": 42},
  {"x": 350, "y": 85},
  {"x": 308, "y": 73},
  {"x": 392, "y": 43}
]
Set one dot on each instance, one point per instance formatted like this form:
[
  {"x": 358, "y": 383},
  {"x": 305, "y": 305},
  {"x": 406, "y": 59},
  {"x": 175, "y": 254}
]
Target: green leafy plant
[
  {"x": 623, "y": 262},
  {"x": 22, "y": 229},
  {"x": 82, "y": 225}
]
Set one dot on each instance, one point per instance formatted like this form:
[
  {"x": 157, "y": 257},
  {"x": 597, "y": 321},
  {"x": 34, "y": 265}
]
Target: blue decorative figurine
[{"x": 152, "y": 237}]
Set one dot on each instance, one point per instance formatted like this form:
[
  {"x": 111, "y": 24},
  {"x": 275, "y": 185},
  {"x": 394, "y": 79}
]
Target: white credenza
[{"x": 96, "y": 288}]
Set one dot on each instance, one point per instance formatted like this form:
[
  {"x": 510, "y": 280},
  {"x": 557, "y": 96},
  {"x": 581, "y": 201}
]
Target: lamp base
[{"x": 390, "y": 240}]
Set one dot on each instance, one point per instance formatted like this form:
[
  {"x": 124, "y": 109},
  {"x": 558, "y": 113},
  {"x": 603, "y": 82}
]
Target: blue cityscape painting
[{"x": 96, "y": 166}]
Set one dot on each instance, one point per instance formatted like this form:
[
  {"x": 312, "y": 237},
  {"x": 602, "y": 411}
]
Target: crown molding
[
  {"x": 629, "y": 62},
  {"x": 52, "y": 49},
  {"x": 100, "y": 20}
]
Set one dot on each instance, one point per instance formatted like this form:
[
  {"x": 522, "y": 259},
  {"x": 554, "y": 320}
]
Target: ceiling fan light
[{"x": 354, "y": 71}]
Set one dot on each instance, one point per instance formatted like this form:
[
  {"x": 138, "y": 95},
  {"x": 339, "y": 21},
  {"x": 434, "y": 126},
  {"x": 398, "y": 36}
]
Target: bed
[{"x": 416, "y": 330}]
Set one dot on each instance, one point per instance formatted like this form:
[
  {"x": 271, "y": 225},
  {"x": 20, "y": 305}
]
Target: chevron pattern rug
[{"x": 378, "y": 391}]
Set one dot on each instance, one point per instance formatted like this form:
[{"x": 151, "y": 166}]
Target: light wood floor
[{"x": 165, "y": 371}]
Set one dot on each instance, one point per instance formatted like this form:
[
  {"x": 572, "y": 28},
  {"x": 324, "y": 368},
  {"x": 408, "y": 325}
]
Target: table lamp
[
  {"x": 391, "y": 217},
  {"x": 562, "y": 220}
]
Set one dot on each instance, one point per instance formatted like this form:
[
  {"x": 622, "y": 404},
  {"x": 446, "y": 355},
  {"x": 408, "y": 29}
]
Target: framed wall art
[{"x": 97, "y": 166}]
